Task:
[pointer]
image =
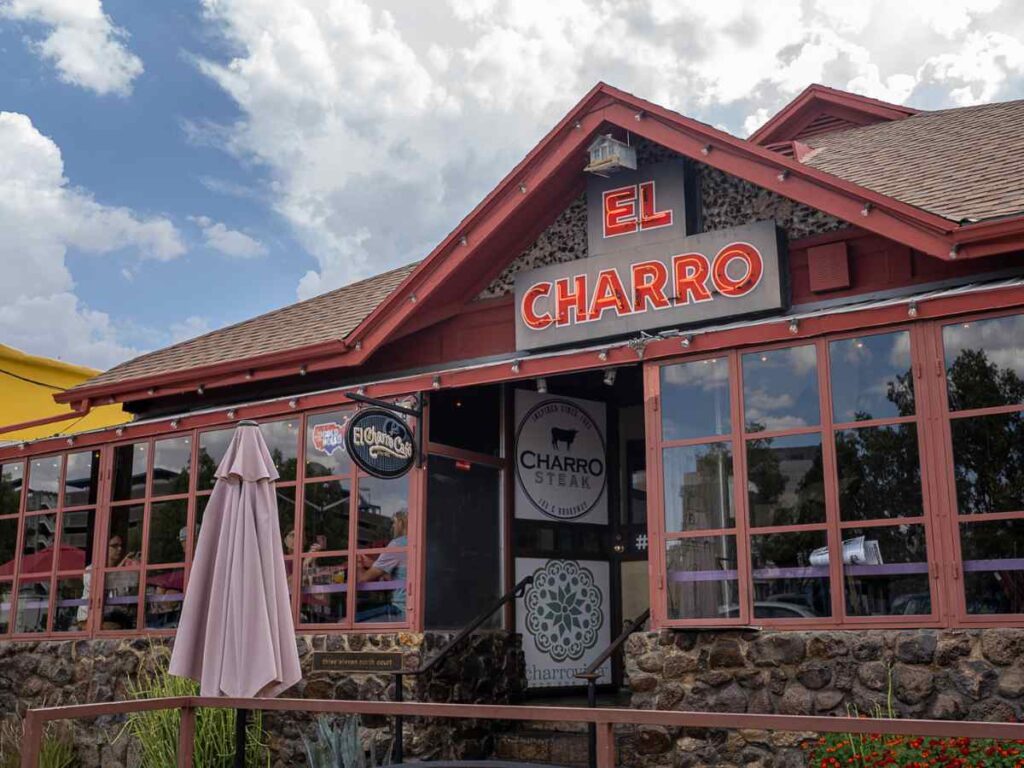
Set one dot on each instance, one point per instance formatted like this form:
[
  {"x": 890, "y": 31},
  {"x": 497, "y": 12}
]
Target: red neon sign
[{"x": 631, "y": 209}]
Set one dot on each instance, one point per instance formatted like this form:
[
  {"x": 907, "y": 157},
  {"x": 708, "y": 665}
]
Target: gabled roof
[
  {"x": 962, "y": 164},
  {"x": 330, "y": 316},
  {"x": 344, "y": 328},
  {"x": 820, "y": 109}
]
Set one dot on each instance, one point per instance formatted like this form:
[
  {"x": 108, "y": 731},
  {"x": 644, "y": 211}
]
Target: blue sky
[{"x": 169, "y": 168}]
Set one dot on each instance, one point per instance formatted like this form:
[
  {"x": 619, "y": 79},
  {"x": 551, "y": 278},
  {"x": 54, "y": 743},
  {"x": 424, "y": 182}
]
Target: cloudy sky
[{"x": 168, "y": 168}]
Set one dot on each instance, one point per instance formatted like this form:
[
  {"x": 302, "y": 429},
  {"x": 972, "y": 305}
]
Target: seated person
[{"x": 388, "y": 566}]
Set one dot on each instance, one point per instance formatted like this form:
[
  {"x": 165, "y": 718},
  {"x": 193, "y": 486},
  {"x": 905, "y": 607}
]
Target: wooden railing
[{"x": 605, "y": 720}]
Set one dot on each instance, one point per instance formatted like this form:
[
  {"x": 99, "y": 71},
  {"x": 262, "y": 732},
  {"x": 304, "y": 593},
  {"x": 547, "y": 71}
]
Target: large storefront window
[
  {"x": 984, "y": 362},
  {"x": 827, "y": 462},
  {"x": 54, "y": 552},
  {"x": 351, "y": 549}
]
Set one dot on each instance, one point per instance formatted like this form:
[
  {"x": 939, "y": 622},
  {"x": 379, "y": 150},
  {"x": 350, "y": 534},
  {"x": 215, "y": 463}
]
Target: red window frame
[
  {"x": 55, "y": 575},
  {"x": 833, "y": 525},
  {"x": 954, "y": 562}
]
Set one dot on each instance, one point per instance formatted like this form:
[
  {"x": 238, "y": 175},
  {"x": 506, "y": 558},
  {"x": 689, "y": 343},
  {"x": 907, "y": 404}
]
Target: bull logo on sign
[{"x": 567, "y": 436}]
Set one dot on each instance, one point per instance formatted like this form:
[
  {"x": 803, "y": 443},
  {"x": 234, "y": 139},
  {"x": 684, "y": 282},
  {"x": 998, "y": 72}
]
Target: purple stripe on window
[
  {"x": 893, "y": 569},
  {"x": 122, "y": 600},
  {"x": 691, "y": 576},
  {"x": 1009, "y": 564},
  {"x": 170, "y": 597},
  {"x": 366, "y": 586},
  {"x": 803, "y": 572}
]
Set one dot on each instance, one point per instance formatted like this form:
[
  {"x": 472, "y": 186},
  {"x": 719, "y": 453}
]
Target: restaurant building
[{"x": 771, "y": 389}]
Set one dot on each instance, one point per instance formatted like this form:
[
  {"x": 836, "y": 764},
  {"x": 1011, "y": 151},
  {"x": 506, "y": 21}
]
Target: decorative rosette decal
[{"x": 563, "y": 610}]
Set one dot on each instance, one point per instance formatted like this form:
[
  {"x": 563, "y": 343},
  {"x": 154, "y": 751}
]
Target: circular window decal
[{"x": 560, "y": 459}]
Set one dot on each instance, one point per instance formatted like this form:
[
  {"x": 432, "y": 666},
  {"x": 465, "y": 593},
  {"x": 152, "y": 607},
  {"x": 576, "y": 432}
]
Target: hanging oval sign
[{"x": 380, "y": 443}]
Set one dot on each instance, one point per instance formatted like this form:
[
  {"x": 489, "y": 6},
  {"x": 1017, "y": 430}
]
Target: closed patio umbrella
[{"x": 236, "y": 635}]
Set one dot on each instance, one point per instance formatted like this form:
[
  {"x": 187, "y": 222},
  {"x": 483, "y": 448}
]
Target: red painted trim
[
  {"x": 78, "y": 410},
  {"x": 816, "y": 99}
]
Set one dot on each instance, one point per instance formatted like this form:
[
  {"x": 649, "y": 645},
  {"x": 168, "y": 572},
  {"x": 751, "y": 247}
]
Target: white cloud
[
  {"x": 230, "y": 242},
  {"x": 41, "y": 217},
  {"x": 189, "y": 328},
  {"x": 83, "y": 43},
  {"x": 380, "y": 128}
]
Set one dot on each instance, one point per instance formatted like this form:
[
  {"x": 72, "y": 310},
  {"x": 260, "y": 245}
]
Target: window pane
[
  {"x": 698, "y": 487},
  {"x": 286, "y": 518},
  {"x": 780, "y": 389},
  {"x": 985, "y": 362},
  {"x": 702, "y": 580},
  {"x": 324, "y": 590},
  {"x": 282, "y": 439},
  {"x": 695, "y": 399},
  {"x": 82, "y": 479},
  {"x": 33, "y": 605},
  {"x": 129, "y": 472},
  {"x": 988, "y": 463},
  {"x": 8, "y": 545},
  {"x": 120, "y": 600},
  {"x": 124, "y": 542},
  {"x": 76, "y": 539},
  {"x": 790, "y": 575},
  {"x": 879, "y": 472},
  {"x": 382, "y": 586},
  {"x": 44, "y": 483},
  {"x": 872, "y": 377},
  {"x": 325, "y": 444},
  {"x": 467, "y": 418},
  {"x": 171, "y": 466},
  {"x": 212, "y": 447},
  {"x": 167, "y": 531},
  {"x": 885, "y": 571},
  {"x": 466, "y": 498},
  {"x": 785, "y": 480},
  {"x": 10, "y": 487},
  {"x": 6, "y": 596},
  {"x": 326, "y": 516},
  {"x": 164, "y": 594},
  {"x": 37, "y": 548},
  {"x": 72, "y": 606},
  {"x": 993, "y": 563},
  {"x": 383, "y": 512}
]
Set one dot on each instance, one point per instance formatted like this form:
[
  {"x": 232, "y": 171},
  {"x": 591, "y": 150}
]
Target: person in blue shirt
[{"x": 391, "y": 567}]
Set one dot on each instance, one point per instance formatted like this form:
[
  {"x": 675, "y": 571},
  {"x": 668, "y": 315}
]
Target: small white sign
[
  {"x": 561, "y": 460},
  {"x": 564, "y": 619}
]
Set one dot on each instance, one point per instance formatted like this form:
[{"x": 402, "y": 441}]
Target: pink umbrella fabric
[{"x": 236, "y": 635}]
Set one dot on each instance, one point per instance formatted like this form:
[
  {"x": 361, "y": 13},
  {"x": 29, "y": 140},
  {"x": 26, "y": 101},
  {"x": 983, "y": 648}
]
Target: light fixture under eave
[
  {"x": 794, "y": 326},
  {"x": 293, "y": 403},
  {"x": 912, "y": 309},
  {"x": 542, "y": 385},
  {"x": 200, "y": 390},
  {"x": 602, "y": 355},
  {"x": 174, "y": 424},
  {"x": 302, "y": 370},
  {"x": 686, "y": 341},
  {"x": 866, "y": 209},
  {"x": 515, "y": 366},
  {"x": 231, "y": 414},
  {"x": 609, "y": 377},
  {"x": 70, "y": 441},
  {"x": 436, "y": 383}
]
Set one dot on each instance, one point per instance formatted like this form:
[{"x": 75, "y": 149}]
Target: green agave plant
[{"x": 337, "y": 745}]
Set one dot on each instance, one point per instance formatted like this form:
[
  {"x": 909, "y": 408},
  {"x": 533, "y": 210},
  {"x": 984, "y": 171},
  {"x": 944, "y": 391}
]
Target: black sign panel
[
  {"x": 380, "y": 443},
  {"x": 344, "y": 661}
]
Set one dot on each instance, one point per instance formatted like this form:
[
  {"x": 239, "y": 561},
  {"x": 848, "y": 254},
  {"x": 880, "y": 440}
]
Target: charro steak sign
[
  {"x": 561, "y": 470},
  {"x": 689, "y": 281}
]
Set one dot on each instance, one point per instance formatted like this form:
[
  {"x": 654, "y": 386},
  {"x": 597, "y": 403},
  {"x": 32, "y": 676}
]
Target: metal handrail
[
  {"x": 591, "y": 675},
  {"x": 591, "y": 672},
  {"x": 516, "y": 592}
]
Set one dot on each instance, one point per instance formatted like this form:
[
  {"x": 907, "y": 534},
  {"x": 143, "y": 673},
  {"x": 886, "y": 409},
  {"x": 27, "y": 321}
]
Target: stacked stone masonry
[
  {"x": 965, "y": 674},
  {"x": 486, "y": 669},
  {"x": 725, "y": 201}
]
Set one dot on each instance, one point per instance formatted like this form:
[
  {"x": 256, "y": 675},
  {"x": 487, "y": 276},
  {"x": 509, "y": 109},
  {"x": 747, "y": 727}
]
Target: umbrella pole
[{"x": 241, "y": 720}]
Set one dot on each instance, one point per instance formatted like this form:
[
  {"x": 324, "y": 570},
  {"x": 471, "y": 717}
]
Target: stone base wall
[
  {"x": 940, "y": 674},
  {"x": 487, "y": 668}
]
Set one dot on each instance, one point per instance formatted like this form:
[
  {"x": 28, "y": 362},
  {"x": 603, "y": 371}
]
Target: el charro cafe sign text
[{"x": 650, "y": 274}]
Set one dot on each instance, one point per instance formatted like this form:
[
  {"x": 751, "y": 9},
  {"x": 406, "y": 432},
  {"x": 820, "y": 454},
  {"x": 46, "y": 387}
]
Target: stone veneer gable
[{"x": 726, "y": 201}]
